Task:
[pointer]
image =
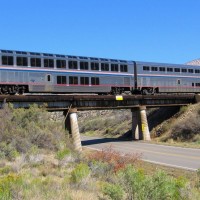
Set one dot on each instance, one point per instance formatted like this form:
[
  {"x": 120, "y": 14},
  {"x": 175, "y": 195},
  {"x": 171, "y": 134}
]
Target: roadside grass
[{"x": 38, "y": 162}]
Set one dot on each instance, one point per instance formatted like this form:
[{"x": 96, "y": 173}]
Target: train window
[
  {"x": 48, "y": 63},
  {"x": 6, "y": 51},
  {"x": 104, "y": 67},
  {"x": 197, "y": 71},
  {"x": 197, "y": 84},
  {"x": 61, "y": 80},
  {"x": 21, "y": 52},
  {"x": 83, "y": 58},
  {"x": 114, "y": 67},
  {"x": 169, "y": 69},
  {"x": 192, "y": 84},
  {"x": 94, "y": 66},
  {"x": 48, "y": 77},
  {"x": 103, "y": 59},
  {"x": 162, "y": 69},
  {"x": 61, "y": 63},
  {"x": 22, "y": 61},
  {"x": 177, "y": 69},
  {"x": 93, "y": 58},
  {"x": 146, "y": 68},
  {"x": 84, "y": 65},
  {"x": 95, "y": 81},
  {"x": 73, "y": 80},
  {"x": 190, "y": 70},
  {"x": 178, "y": 82},
  {"x": 35, "y": 62},
  {"x": 154, "y": 69},
  {"x": 84, "y": 80},
  {"x": 47, "y": 54},
  {"x": 73, "y": 64},
  {"x": 7, "y": 60},
  {"x": 184, "y": 70},
  {"x": 34, "y": 54},
  {"x": 123, "y": 61},
  {"x": 72, "y": 57},
  {"x": 60, "y": 56},
  {"x": 113, "y": 60},
  {"x": 123, "y": 68}
]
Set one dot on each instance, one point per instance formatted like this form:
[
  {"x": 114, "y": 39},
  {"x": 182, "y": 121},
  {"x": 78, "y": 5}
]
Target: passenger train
[{"x": 31, "y": 72}]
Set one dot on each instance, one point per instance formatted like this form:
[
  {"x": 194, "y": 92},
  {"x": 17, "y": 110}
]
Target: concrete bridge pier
[
  {"x": 71, "y": 124},
  {"x": 140, "y": 128},
  {"x": 144, "y": 124},
  {"x": 136, "y": 124}
]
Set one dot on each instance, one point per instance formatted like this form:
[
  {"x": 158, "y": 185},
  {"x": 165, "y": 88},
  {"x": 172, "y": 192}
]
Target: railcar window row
[
  {"x": 169, "y": 69},
  {"x": 72, "y": 64},
  {"x": 196, "y": 84},
  {"x": 74, "y": 80}
]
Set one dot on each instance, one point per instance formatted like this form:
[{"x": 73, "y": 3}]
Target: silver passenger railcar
[
  {"x": 51, "y": 73},
  {"x": 167, "y": 78},
  {"x": 32, "y": 72}
]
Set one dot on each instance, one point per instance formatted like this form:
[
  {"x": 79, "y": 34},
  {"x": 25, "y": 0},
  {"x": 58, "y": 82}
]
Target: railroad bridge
[{"x": 71, "y": 104}]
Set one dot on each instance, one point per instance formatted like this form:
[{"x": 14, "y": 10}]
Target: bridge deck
[{"x": 88, "y": 102}]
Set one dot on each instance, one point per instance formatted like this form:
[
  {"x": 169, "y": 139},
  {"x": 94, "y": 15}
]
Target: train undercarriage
[
  {"x": 21, "y": 89},
  {"x": 13, "y": 89}
]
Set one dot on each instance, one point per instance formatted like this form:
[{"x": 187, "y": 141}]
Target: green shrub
[
  {"x": 62, "y": 153},
  {"x": 10, "y": 186},
  {"x": 24, "y": 128},
  {"x": 80, "y": 173},
  {"x": 158, "y": 186},
  {"x": 5, "y": 170},
  {"x": 113, "y": 191},
  {"x": 8, "y": 151}
]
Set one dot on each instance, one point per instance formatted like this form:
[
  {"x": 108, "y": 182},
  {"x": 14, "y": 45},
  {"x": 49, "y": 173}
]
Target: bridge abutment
[{"x": 71, "y": 124}]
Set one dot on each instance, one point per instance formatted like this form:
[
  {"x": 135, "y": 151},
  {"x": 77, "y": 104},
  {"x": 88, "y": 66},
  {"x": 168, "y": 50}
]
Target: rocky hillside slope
[{"x": 194, "y": 62}]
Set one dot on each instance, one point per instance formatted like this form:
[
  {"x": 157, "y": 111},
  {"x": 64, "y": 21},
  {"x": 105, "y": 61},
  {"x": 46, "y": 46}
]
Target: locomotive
[{"x": 32, "y": 72}]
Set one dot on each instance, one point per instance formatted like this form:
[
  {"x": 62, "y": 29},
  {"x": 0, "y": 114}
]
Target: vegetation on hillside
[
  {"x": 38, "y": 162},
  {"x": 111, "y": 123},
  {"x": 183, "y": 127}
]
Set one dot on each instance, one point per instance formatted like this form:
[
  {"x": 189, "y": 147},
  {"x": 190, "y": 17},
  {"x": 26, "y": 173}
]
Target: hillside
[
  {"x": 194, "y": 62},
  {"x": 38, "y": 162}
]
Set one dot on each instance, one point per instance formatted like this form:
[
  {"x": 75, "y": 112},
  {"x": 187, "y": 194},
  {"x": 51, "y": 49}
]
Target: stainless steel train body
[
  {"x": 51, "y": 73},
  {"x": 167, "y": 78}
]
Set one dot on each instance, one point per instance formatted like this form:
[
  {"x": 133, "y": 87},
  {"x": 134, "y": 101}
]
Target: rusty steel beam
[{"x": 89, "y": 102}]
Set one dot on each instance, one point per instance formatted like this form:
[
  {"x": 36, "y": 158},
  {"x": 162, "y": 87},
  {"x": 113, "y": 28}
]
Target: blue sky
[{"x": 147, "y": 30}]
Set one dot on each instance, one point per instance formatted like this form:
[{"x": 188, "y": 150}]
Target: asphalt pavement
[{"x": 185, "y": 158}]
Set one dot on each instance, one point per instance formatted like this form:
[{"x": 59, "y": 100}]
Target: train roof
[
  {"x": 28, "y": 53},
  {"x": 50, "y": 55},
  {"x": 164, "y": 64}
]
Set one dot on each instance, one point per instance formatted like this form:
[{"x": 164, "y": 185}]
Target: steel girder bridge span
[{"x": 71, "y": 104}]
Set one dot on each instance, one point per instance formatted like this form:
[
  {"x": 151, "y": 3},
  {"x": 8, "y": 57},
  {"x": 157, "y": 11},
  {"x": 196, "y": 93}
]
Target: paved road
[{"x": 185, "y": 158}]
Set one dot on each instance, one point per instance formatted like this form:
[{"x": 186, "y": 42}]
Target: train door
[
  {"x": 178, "y": 84},
  {"x": 48, "y": 83},
  {"x": 135, "y": 76}
]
